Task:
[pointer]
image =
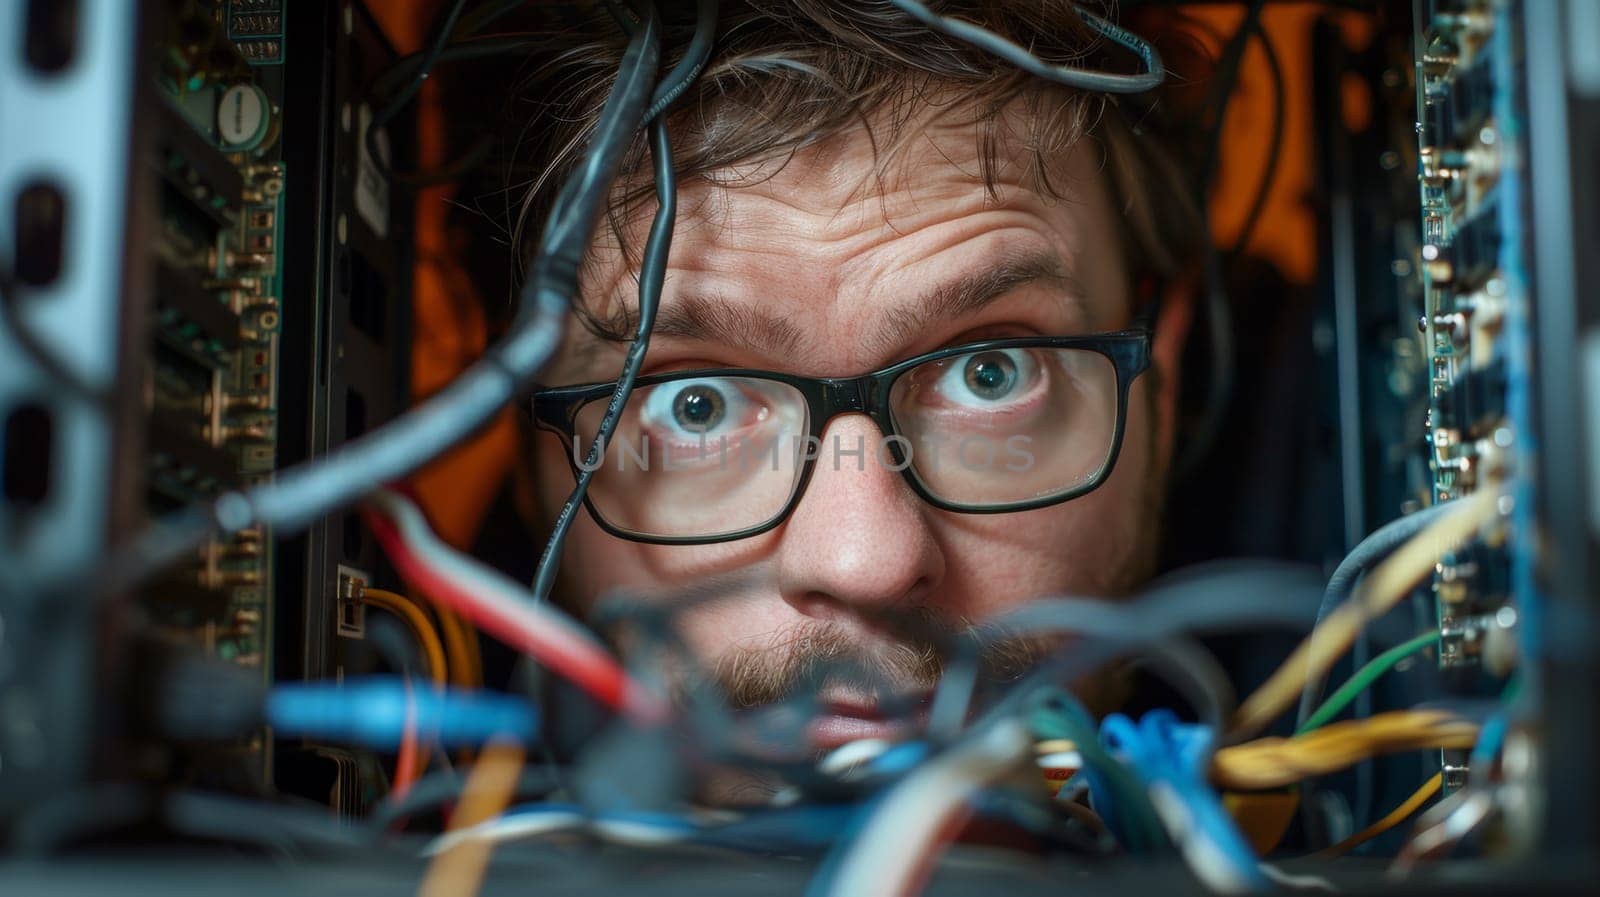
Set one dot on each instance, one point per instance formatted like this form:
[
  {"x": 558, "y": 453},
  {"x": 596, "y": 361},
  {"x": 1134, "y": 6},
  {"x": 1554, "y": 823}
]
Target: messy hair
[{"x": 788, "y": 74}]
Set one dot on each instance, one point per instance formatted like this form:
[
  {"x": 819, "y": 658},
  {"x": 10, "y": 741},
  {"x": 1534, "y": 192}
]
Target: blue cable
[
  {"x": 1171, "y": 758},
  {"x": 373, "y": 712}
]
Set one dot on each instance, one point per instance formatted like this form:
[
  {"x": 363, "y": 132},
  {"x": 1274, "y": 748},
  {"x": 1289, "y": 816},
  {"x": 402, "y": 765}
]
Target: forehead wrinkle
[{"x": 971, "y": 292}]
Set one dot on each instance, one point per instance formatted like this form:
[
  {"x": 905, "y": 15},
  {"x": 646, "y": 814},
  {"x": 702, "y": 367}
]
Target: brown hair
[{"x": 786, "y": 74}]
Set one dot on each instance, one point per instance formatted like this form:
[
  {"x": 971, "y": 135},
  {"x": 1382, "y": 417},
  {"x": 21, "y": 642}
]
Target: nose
[{"x": 859, "y": 542}]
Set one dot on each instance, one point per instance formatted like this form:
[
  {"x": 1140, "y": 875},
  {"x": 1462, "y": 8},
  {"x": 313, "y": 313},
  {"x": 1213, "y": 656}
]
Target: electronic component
[
  {"x": 1476, "y": 307},
  {"x": 212, "y": 372},
  {"x": 210, "y": 311}
]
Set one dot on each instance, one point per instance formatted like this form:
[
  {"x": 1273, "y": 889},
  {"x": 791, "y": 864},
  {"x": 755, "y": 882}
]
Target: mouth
[{"x": 846, "y": 717}]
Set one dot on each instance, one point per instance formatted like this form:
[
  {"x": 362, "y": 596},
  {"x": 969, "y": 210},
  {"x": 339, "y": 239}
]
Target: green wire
[{"x": 1364, "y": 677}]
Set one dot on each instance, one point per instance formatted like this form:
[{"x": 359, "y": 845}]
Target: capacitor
[{"x": 242, "y": 117}]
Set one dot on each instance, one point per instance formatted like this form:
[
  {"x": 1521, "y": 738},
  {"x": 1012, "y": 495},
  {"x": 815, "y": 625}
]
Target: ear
[{"x": 1178, "y": 299}]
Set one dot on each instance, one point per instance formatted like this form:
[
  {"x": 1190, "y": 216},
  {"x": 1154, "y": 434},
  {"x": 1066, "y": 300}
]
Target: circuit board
[
  {"x": 1476, "y": 330},
  {"x": 212, "y": 389}
]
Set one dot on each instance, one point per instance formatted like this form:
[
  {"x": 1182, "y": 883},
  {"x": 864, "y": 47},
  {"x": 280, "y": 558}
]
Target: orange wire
[{"x": 408, "y": 765}]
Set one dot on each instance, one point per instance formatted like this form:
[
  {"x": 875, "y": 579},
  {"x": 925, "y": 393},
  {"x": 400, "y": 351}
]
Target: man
[{"x": 856, "y": 195}]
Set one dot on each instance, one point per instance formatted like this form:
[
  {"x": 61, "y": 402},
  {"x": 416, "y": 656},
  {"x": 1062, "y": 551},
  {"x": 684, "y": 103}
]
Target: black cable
[
  {"x": 438, "y": 789},
  {"x": 1219, "y": 315},
  {"x": 1081, "y": 79},
  {"x": 473, "y": 48},
  {"x": 652, "y": 274},
  {"x": 284, "y": 828},
  {"x": 1275, "y": 151},
  {"x": 42, "y": 356},
  {"x": 385, "y": 113},
  {"x": 296, "y": 497},
  {"x": 693, "y": 62},
  {"x": 1221, "y": 92}
]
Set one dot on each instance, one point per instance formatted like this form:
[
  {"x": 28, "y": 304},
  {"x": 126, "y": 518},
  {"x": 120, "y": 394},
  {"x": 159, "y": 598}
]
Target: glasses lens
[
  {"x": 697, "y": 458},
  {"x": 1005, "y": 426}
]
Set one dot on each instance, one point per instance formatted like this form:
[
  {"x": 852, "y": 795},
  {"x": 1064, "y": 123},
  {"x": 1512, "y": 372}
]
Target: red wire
[
  {"x": 593, "y": 671},
  {"x": 407, "y": 765}
]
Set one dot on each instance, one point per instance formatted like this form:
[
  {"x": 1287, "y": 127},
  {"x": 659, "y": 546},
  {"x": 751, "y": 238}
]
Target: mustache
[{"x": 804, "y": 659}]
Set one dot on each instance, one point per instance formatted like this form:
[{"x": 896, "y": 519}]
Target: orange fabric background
[{"x": 449, "y": 328}]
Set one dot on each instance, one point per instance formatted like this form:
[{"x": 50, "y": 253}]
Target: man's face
[{"x": 822, "y": 268}]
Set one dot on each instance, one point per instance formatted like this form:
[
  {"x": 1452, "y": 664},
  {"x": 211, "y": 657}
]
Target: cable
[
  {"x": 436, "y": 789},
  {"x": 693, "y": 62},
  {"x": 1219, "y": 314},
  {"x": 1396, "y": 816},
  {"x": 401, "y": 648},
  {"x": 1171, "y": 759},
  {"x": 1123, "y": 804},
  {"x": 1369, "y": 551},
  {"x": 409, "y": 760},
  {"x": 1221, "y": 93},
  {"x": 1083, "y": 79},
  {"x": 1442, "y": 826},
  {"x": 899, "y": 840},
  {"x": 1189, "y": 668},
  {"x": 1364, "y": 677},
  {"x": 389, "y": 110},
  {"x": 1277, "y": 762},
  {"x": 475, "y": 48},
  {"x": 376, "y": 711},
  {"x": 1210, "y": 598},
  {"x": 458, "y": 872},
  {"x": 1388, "y": 584},
  {"x": 417, "y": 620},
  {"x": 1275, "y": 151},
  {"x": 652, "y": 274},
  {"x": 297, "y": 497},
  {"x": 460, "y": 648},
  {"x": 504, "y": 609},
  {"x": 253, "y": 821}
]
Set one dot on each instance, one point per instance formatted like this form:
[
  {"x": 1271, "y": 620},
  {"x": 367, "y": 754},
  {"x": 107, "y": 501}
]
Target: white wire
[
  {"x": 1297, "y": 881},
  {"x": 507, "y": 828},
  {"x": 902, "y": 836},
  {"x": 846, "y": 757},
  {"x": 535, "y": 822}
]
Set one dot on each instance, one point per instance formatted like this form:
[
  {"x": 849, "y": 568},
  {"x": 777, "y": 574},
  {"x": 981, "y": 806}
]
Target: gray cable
[
  {"x": 1084, "y": 79},
  {"x": 1367, "y": 554},
  {"x": 1210, "y": 598}
]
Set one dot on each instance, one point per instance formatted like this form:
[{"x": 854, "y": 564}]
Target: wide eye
[
  {"x": 685, "y": 409},
  {"x": 988, "y": 378}
]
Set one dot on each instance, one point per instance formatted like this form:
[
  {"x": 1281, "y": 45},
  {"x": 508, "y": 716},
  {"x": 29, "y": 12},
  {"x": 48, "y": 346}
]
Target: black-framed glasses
[{"x": 989, "y": 427}]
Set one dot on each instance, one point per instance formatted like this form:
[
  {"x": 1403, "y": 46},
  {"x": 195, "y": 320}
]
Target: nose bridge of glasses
[{"x": 844, "y": 396}]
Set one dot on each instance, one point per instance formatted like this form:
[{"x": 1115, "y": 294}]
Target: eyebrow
[
  {"x": 717, "y": 319},
  {"x": 972, "y": 292},
  {"x": 708, "y": 318}
]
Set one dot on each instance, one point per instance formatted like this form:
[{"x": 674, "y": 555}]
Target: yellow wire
[
  {"x": 417, "y": 619},
  {"x": 453, "y": 628},
  {"x": 458, "y": 871},
  {"x": 1396, "y": 816},
  {"x": 1379, "y": 591},
  {"x": 1276, "y": 762}
]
